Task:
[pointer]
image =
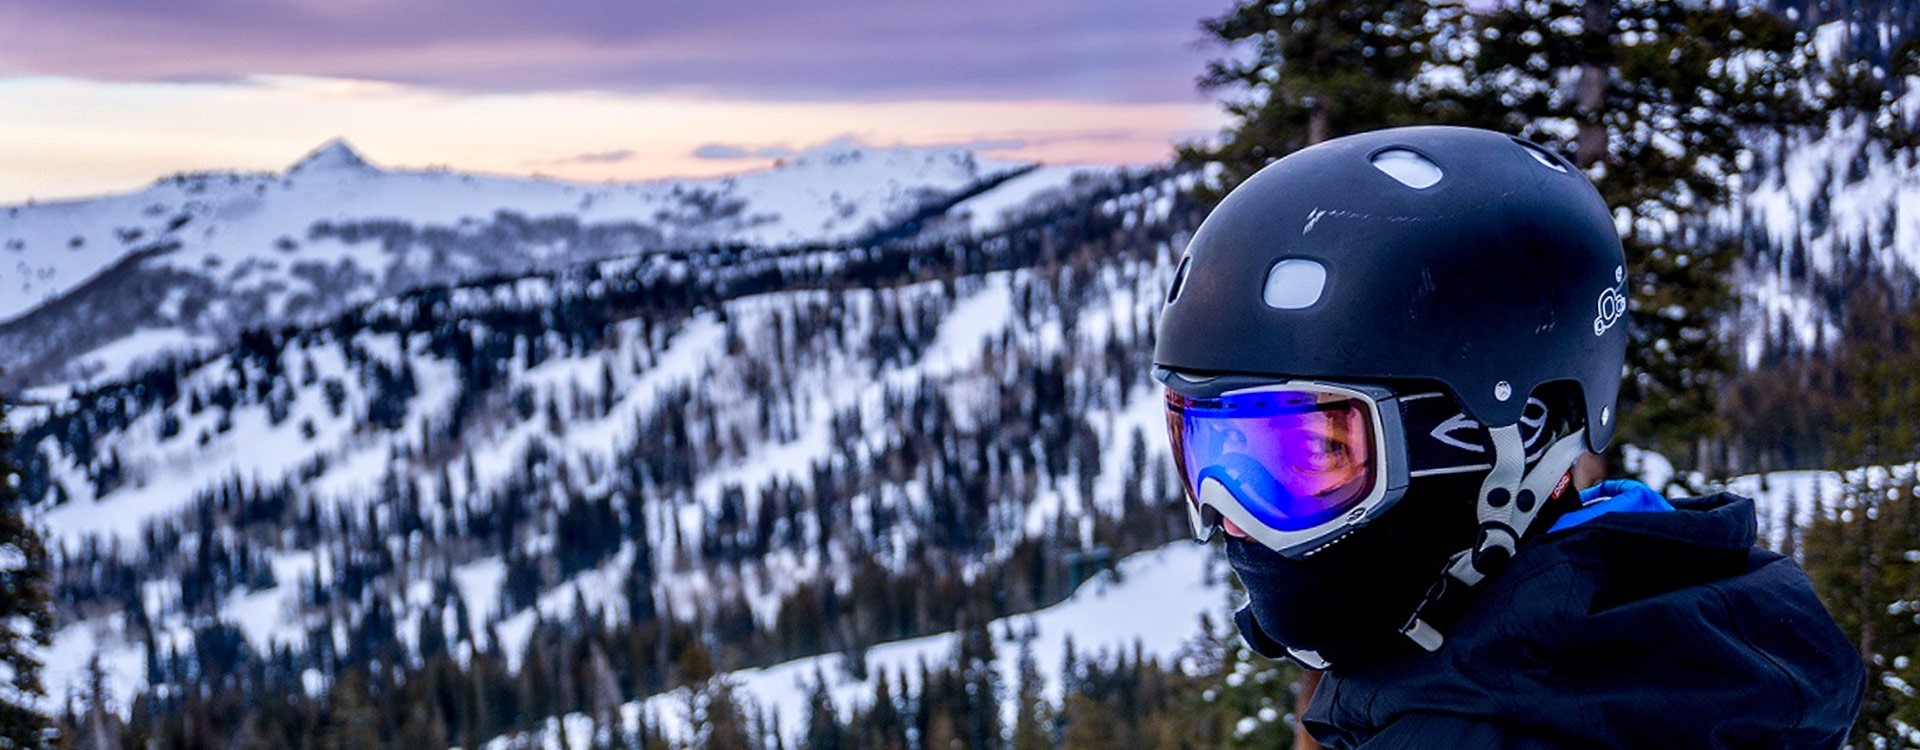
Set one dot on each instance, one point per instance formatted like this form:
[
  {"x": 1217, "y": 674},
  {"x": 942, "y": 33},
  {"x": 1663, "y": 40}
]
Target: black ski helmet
[{"x": 1449, "y": 254}]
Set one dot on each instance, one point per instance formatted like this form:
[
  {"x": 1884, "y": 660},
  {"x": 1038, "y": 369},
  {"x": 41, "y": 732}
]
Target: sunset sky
[{"x": 103, "y": 95}]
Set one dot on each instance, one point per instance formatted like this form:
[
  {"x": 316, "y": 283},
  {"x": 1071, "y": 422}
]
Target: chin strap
[{"x": 1510, "y": 498}]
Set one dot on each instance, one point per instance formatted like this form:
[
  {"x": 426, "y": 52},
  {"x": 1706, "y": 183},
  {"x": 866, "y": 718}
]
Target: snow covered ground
[
  {"x": 991, "y": 209},
  {"x": 1150, "y": 601}
]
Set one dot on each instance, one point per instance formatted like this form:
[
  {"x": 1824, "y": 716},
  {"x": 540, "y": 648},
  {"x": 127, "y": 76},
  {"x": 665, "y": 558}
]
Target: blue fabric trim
[{"x": 1613, "y": 496}]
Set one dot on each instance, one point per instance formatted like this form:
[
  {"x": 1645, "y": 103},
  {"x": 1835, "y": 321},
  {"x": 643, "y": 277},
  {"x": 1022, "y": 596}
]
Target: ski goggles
[{"x": 1298, "y": 464}]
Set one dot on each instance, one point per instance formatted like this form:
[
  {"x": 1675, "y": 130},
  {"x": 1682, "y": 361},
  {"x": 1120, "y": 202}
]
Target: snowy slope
[
  {"x": 1032, "y": 191},
  {"x": 193, "y": 258},
  {"x": 1152, "y": 601},
  {"x": 300, "y": 416},
  {"x": 1818, "y": 201}
]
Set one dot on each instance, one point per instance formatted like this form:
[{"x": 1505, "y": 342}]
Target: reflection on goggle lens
[{"x": 1293, "y": 458}]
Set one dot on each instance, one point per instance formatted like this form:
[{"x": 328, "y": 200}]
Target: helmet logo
[
  {"x": 1533, "y": 422},
  {"x": 1612, "y": 304}
]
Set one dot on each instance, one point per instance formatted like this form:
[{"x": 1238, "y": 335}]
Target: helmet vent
[
  {"x": 1411, "y": 169},
  {"x": 1295, "y": 283},
  {"x": 1540, "y": 155},
  {"x": 1179, "y": 279}
]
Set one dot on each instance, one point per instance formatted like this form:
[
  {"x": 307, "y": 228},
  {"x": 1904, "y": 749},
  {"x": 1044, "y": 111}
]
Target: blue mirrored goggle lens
[{"x": 1294, "y": 459}]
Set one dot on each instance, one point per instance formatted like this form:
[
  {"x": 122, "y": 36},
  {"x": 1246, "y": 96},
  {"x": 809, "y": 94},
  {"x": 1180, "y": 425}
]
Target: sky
[{"x": 107, "y": 95}]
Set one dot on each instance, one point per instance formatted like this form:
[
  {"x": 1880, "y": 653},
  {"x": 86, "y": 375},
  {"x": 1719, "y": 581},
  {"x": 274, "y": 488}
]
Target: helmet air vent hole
[
  {"x": 1411, "y": 169},
  {"x": 1540, "y": 155},
  {"x": 1295, "y": 283},
  {"x": 1179, "y": 279}
]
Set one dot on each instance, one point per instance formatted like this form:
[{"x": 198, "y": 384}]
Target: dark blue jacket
[{"x": 1630, "y": 630}]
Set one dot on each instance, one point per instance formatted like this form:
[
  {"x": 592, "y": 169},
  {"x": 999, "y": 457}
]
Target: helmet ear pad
[{"x": 1348, "y": 601}]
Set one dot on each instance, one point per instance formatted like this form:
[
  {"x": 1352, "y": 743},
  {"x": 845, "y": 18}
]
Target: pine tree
[
  {"x": 99, "y": 728},
  {"x": 1246, "y": 702},
  {"x": 981, "y": 708},
  {"x": 1318, "y": 69},
  {"x": 352, "y": 722},
  {"x": 1656, "y": 118},
  {"x": 824, "y": 731},
  {"x": 1033, "y": 719},
  {"x": 720, "y": 718},
  {"x": 1091, "y": 726},
  {"x": 26, "y": 620},
  {"x": 886, "y": 728},
  {"x": 1859, "y": 555}
]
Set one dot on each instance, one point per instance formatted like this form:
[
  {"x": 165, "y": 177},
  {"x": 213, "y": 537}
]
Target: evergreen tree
[
  {"x": 980, "y": 705},
  {"x": 823, "y": 721},
  {"x": 1317, "y": 69},
  {"x": 1656, "y": 117},
  {"x": 1860, "y": 555},
  {"x": 1033, "y": 720},
  {"x": 721, "y": 720},
  {"x": 353, "y": 721},
  {"x": 99, "y": 728},
  {"x": 1092, "y": 725},
  {"x": 885, "y": 726},
  {"x": 1246, "y": 703},
  {"x": 26, "y": 620}
]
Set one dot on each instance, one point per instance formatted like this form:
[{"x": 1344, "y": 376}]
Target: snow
[
  {"x": 479, "y": 584},
  {"x": 1783, "y": 500},
  {"x": 139, "y": 349},
  {"x": 272, "y": 244},
  {"x": 975, "y": 319},
  {"x": 265, "y": 615},
  {"x": 990, "y": 210},
  {"x": 829, "y": 194},
  {"x": 66, "y": 661},
  {"x": 164, "y": 475},
  {"x": 1871, "y": 200},
  {"x": 353, "y": 460},
  {"x": 1804, "y": 495},
  {"x": 1151, "y": 601}
]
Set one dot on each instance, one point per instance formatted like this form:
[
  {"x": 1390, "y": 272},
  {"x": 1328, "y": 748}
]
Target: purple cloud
[
  {"x": 1110, "y": 50},
  {"x": 599, "y": 157},
  {"x": 734, "y": 151}
]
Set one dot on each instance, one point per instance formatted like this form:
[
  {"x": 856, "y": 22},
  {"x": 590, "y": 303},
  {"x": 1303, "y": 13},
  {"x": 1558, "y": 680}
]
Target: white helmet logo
[
  {"x": 1612, "y": 305},
  {"x": 1533, "y": 421}
]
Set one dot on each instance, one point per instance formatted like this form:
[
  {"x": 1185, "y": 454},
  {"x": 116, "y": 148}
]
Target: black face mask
[{"x": 1348, "y": 601}]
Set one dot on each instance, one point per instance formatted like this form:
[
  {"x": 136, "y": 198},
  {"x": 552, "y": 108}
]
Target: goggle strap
[
  {"x": 1501, "y": 526},
  {"x": 1426, "y": 636},
  {"x": 1507, "y": 509}
]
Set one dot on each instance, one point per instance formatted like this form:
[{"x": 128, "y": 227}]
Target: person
[{"x": 1383, "y": 355}]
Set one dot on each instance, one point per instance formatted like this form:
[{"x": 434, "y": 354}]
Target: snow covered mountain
[
  {"x": 89, "y": 287},
  {"x": 716, "y": 443}
]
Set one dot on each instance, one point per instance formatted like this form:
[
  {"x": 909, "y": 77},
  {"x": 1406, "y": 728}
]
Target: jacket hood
[{"x": 1662, "y": 629}]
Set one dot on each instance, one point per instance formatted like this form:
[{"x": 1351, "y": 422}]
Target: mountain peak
[{"x": 335, "y": 154}]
